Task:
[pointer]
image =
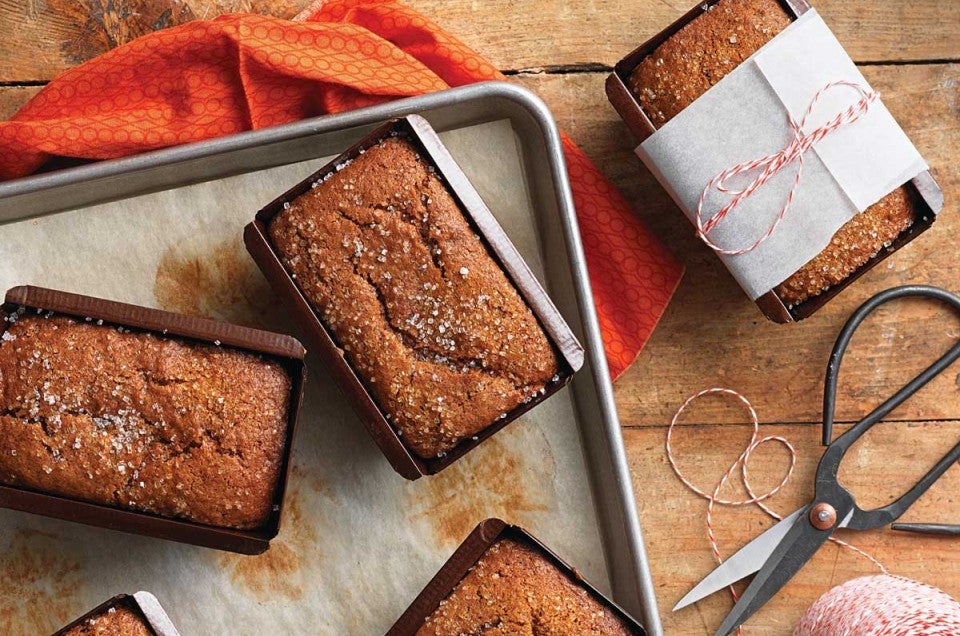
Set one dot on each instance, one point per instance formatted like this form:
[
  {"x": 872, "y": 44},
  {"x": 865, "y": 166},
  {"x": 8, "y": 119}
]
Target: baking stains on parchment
[
  {"x": 278, "y": 573},
  {"x": 39, "y": 584},
  {"x": 509, "y": 476},
  {"x": 218, "y": 281}
]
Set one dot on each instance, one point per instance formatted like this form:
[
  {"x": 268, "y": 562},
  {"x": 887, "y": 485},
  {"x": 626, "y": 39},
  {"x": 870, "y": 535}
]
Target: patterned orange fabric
[{"x": 204, "y": 79}]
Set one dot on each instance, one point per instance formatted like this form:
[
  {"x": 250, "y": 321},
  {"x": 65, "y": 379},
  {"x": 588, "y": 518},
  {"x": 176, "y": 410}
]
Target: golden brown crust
[
  {"x": 116, "y": 621},
  {"x": 514, "y": 590},
  {"x": 698, "y": 56},
  {"x": 859, "y": 240},
  {"x": 152, "y": 424},
  {"x": 441, "y": 338}
]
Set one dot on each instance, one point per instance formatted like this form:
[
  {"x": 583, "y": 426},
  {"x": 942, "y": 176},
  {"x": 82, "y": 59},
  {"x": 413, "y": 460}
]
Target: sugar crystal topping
[
  {"x": 413, "y": 298},
  {"x": 112, "y": 415}
]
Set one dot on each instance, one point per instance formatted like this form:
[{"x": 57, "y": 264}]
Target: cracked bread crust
[
  {"x": 514, "y": 590},
  {"x": 116, "y": 621},
  {"x": 429, "y": 321},
  {"x": 702, "y": 53},
  {"x": 141, "y": 422}
]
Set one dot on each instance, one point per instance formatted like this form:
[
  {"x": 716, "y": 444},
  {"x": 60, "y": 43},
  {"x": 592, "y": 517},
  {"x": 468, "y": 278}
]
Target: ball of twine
[{"x": 882, "y": 605}]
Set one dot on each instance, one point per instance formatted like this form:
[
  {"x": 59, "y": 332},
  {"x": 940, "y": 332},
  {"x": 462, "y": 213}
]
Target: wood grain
[
  {"x": 886, "y": 462},
  {"x": 46, "y": 37},
  {"x": 13, "y": 97},
  {"x": 42, "y": 38},
  {"x": 533, "y": 33},
  {"x": 713, "y": 335}
]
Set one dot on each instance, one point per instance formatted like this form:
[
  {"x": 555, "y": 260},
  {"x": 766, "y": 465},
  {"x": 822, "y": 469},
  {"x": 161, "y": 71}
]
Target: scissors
[{"x": 779, "y": 553}]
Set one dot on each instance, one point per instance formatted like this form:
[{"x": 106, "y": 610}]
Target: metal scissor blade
[
  {"x": 746, "y": 561},
  {"x": 792, "y": 553}
]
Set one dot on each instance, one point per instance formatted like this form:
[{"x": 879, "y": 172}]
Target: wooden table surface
[{"x": 711, "y": 335}]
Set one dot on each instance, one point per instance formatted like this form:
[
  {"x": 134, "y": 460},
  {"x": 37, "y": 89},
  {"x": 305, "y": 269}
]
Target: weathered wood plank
[
  {"x": 712, "y": 335},
  {"x": 13, "y": 97},
  {"x": 887, "y": 462},
  {"x": 530, "y": 33},
  {"x": 42, "y": 38},
  {"x": 46, "y": 37}
]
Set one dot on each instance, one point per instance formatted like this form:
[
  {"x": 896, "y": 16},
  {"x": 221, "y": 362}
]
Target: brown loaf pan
[
  {"x": 323, "y": 341},
  {"x": 144, "y": 604},
  {"x": 925, "y": 188},
  {"x": 284, "y": 349},
  {"x": 466, "y": 556}
]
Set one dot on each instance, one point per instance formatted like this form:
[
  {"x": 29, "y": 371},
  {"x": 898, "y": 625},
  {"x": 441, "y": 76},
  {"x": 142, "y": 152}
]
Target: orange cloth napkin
[{"x": 204, "y": 79}]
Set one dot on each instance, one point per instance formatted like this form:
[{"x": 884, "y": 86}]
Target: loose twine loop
[
  {"x": 713, "y": 498},
  {"x": 771, "y": 165}
]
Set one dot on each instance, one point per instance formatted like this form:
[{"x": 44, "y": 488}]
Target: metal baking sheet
[{"x": 357, "y": 543}]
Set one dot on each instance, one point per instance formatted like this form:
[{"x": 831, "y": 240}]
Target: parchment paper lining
[{"x": 358, "y": 542}]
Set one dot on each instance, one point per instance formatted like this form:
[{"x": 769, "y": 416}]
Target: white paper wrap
[{"x": 744, "y": 117}]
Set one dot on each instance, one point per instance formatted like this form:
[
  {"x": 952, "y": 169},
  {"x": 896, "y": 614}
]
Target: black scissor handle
[{"x": 830, "y": 464}]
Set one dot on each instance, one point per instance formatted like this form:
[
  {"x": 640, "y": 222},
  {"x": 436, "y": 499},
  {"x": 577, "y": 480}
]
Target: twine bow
[{"x": 771, "y": 165}]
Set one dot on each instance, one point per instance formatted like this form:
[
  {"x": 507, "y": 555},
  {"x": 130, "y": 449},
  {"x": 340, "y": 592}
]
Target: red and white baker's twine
[
  {"x": 742, "y": 462},
  {"x": 771, "y": 165},
  {"x": 882, "y": 606}
]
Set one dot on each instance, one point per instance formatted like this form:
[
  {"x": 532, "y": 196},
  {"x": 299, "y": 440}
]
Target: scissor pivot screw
[{"x": 823, "y": 516}]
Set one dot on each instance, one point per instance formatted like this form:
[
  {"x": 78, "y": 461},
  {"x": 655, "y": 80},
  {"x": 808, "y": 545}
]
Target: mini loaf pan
[
  {"x": 323, "y": 341},
  {"x": 285, "y": 349},
  {"x": 927, "y": 194},
  {"x": 143, "y": 604},
  {"x": 465, "y": 558}
]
